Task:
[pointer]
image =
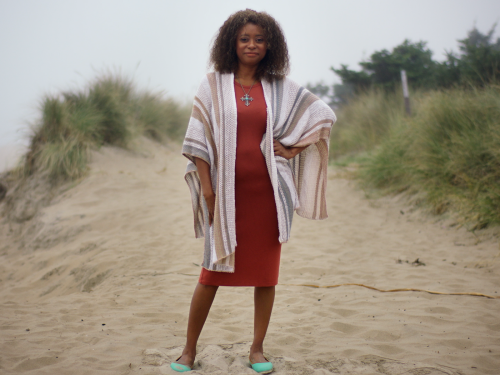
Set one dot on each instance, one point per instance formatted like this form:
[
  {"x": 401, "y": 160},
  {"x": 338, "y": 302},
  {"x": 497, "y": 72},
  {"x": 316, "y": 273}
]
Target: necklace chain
[{"x": 247, "y": 99}]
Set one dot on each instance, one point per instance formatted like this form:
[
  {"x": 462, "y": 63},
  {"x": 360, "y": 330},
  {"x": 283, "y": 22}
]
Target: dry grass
[
  {"x": 449, "y": 150},
  {"x": 110, "y": 110}
]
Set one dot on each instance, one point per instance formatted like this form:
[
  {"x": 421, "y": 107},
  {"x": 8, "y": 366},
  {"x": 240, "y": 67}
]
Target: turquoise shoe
[
  {"x": 263, "y": 367},
  {"x": 179, "y": 367}
]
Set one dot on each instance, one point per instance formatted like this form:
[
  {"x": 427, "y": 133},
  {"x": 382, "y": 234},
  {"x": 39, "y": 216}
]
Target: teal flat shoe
[
  {"x": 263, "y": 367},
  {"x": 179, "y": 367}
]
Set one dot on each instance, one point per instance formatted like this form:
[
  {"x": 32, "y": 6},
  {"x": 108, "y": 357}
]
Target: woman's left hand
[{"x": 286, "y": 152}]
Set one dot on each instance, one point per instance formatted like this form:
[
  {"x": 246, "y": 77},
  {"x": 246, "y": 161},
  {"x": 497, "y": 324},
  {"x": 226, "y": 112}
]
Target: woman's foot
[
  {"x": 262, "y": 367},
  {"x": 260, "y": 363},
  {"x": 257, "y": 357},
  {"x": 184, "y": 363}
]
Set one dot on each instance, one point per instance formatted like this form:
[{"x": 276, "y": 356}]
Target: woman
[{"x": 257, "y": 145}]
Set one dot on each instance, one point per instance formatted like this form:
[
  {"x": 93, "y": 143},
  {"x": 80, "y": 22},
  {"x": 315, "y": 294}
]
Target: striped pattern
[{"x": 295, "y": 117}]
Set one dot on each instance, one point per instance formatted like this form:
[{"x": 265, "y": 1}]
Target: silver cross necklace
[{"x": 247, "y": 99}]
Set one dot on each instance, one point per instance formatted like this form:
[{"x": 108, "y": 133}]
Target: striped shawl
[{"x": 295, "y": 117}]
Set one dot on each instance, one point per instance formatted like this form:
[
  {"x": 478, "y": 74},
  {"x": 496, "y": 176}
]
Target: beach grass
[
  {"x": 109, "y": 110},
  {"x": 448, "y": 152},
  {"x": 364, "y": 122}
]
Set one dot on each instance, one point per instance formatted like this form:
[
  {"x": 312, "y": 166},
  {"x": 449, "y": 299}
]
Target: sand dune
[{"x": 100, "y": 281}]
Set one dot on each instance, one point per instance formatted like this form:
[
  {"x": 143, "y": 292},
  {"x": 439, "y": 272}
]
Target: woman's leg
[
  {"x": 264, "y": 300},
  {"x": 203, "y": 297}
]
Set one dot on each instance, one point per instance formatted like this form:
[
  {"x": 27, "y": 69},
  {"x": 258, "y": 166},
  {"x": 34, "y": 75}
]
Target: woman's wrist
[
  {"x": 294, "y": 151},
  {"x": 208, "y": 195},
  {"x": 286, "y": 152}
]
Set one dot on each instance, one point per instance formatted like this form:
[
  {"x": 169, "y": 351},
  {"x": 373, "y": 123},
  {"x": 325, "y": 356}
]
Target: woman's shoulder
[
  {"x": 293, "y": 90},
  {"x": 204, "y": 88},
  {"x": 285, "y": 82},
  {"x": 206, "y": 79},
  {"x": 211, "y": 79}
]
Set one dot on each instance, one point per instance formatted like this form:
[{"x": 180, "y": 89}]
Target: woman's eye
[{"x": 244, "y": 40}]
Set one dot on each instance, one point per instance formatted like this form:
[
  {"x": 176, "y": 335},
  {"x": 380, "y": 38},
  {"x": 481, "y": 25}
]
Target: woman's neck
[{"x": 246, "y": 75}]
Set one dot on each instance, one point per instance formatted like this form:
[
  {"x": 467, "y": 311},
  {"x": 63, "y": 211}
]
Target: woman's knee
[{"x": 207, "y": 288}]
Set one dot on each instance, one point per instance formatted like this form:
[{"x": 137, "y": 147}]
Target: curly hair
[{"x": 276, "y": 62}]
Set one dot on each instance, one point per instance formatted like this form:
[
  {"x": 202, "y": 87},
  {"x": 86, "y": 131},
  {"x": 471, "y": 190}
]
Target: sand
[{"x": 100, "y": 281}]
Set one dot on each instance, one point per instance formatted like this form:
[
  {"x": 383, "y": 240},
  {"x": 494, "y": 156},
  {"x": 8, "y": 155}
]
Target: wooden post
[{"x": 406, "y": 95}]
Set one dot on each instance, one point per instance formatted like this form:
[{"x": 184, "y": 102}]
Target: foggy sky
[{"x": 51, "y": 45}]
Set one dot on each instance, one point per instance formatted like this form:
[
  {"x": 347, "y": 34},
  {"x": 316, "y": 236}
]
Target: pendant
[{"x": 247, "y": 99}]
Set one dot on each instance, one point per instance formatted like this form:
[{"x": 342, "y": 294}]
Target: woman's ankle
[
  {"x": 257, "y": 348},
  {"x": 187, "y": 357},
  {"x": 257, "y": 354}
]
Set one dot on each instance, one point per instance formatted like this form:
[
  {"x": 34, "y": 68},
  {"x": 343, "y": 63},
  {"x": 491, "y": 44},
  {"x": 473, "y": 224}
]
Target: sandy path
[{"x": 100, "y": 283}]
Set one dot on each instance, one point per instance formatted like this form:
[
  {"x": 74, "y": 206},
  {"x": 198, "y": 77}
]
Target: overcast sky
[{"x": 51, "y": 45}]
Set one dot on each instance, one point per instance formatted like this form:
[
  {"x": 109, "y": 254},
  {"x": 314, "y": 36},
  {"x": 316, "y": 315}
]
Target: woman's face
[{"x": 251, "y": 44}]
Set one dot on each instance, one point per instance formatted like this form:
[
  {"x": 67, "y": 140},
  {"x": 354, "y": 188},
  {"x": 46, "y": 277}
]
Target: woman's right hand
[
  {"x": 210, "y": 199},
  {"x": 206, "y": 187}
]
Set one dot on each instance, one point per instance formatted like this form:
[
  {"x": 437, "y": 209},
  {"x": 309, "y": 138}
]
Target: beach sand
[{"x": 100, "y": 282}]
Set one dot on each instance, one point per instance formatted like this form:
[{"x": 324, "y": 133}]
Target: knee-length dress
[{"x": 258, "y": 250}]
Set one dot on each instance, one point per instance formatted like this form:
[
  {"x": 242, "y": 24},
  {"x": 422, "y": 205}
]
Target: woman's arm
[
  {"x": 206, "y": 186},
  {"x": 286, "y": 152}
]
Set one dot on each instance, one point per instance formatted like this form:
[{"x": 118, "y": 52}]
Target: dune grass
[
  {"x": 110, "y": 110},
  {"x": 364, "y": 122},
  {"x": 448, "y": 151}
]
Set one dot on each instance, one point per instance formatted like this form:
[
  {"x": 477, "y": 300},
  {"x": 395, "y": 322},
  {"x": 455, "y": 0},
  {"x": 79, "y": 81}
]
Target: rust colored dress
[{"x": 257, "y": 256}]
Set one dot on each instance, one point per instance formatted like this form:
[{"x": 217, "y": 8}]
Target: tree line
[{"x": 476, "y": 64}]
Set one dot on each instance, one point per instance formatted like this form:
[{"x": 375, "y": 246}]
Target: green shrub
[
  {"x": 112, "y": 97},
  {"x": 364, "y": 122},
  {"x": 109, "y": 111},
  {"x": 61, "y": 143},
  {"x": 162, "y": 118},
  {"x": 450, "y": 150}
]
